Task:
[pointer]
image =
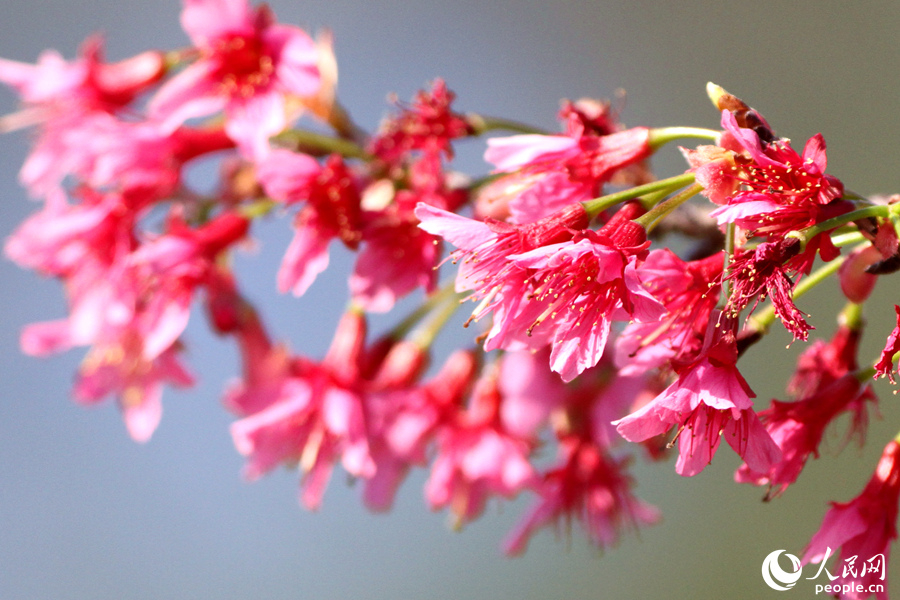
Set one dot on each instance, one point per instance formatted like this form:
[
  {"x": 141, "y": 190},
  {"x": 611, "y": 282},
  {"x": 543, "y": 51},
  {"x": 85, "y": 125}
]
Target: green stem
[
  {"x": 406, "y": 325},
  {"x": 805, "y": 235},
  {"x": 651, "y": 218},
  {"x": 597, "y": 205},
  {"x": 648, "y": 201},
  {"x": 482, "y": 124},
  {"x": 846, "y": 239},
  {"x": 851, "y": 316},
  {"x": 317, "y": 143},
  {"x": 764, "y": 318},
  {"x": 257, "y": 208},
  {"x": 424, "y": 336},
  {"x": 664, "y": 135}
]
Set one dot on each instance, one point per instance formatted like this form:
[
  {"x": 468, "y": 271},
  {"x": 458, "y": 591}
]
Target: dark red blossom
[
  {"x": 885, "y": 365},
  {"x": 761, "y": 272},
  {"x": 428, "y": 125}
]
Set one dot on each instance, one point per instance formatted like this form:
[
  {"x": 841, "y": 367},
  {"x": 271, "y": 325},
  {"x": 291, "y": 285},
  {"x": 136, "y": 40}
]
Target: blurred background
[{"x": 85, "y": 513}]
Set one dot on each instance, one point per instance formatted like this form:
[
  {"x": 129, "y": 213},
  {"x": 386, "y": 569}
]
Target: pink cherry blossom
[
  {"x": 863, "y": 529},
  {"x": 316, "y": 419},
  {"x": 477, "y": 458},
  {"x": 557, "y": 170},
  {"x": 247, "y": 65},
  {"x": 589, "y": 486},
  {"x": 689, "y": 291},
  {"x": 885, "y": 365},
  {"x": 709, "y": 401},
  {"x": 404, "y": 421}
]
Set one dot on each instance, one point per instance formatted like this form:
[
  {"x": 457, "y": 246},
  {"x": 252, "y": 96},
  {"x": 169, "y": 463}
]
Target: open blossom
[
  {"x": 863, "y": 529},
  {"x": 709, "y": 401},
  {"x": 331, "y": 211},
  {"x": 798, "y": 427},
  {"x": 405, "y": 420},
  {"x": 121, "y": 369},
  {"x": 248, "y": 65},
  {"x": 397, "y": 256},
  {"x": 548, "y": 284},
  {"x": 783, "y": 192},
  {"x": 428, "y": 125},
  {"x": 477, "y": 458},
  {"x": 588, "y": 483},
  {"x": 760, "y": 273},
  {"x": 130, "y": 305},
  {"x": 590, "y": 486},
  {"x": 885, "y": 365},
  {"x": 689, "y": 291},
  {"x": 69, "y": 100},
  {"x": 315, "y": 419},
  {"x": 550, "y": 172},
  {"x": 825, "y": 386}
]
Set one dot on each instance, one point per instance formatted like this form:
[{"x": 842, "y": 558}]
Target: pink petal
[
  {"x": 142, "y": 418},
  {"x": 461, "y": 232},
  {"x": 191, "y": 93},
  {"x": 296, "y": 68},
  {"x": 510, "y": 153},
  {"x": 306, "y": 257},
  {"x": 205, "y": 20}
]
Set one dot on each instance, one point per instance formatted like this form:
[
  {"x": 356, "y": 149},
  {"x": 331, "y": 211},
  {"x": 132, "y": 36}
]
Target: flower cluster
[{"x": 589, "y": 331}]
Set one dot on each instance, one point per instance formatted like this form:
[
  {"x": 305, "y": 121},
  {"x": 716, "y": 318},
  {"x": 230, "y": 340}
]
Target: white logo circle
[{"x": 775, "y": 576}]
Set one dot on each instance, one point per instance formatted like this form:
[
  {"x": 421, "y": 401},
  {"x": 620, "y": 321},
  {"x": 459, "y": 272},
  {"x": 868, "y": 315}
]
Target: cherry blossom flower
[
  {"x": 587, "y": 485},
  {"x": 825, "y": 385},
  {"x": 70, "y": 101},
  {"x": 476, "y": 458},
  {"x": 397, "y": 256},
  {"x": 332, "y": 210},
  {"x": 405, "y": 420},
  {"x": 863, "y": 529},
  {"x": 785, "y": 192},
  {"x": 121, "y": 369},
  {"x": 689, "y": 291},
  {"x": 248, "y": 65},
  {"x": 428, "y": 126},
  {"x": 885, "y": 365},
  {"x": 709, "y": 401},
  {"x": 553, "y": 171},
  {"x": 317, "y": 418},
  {"x": 542, "y": 290}
]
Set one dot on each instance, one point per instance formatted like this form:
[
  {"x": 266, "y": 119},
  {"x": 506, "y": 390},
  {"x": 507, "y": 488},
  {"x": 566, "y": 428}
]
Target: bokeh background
[{"x": 85, "y": 513}]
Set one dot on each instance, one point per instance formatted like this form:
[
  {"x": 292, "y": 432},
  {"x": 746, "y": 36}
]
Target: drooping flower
[
  {"x": 248, "y": 65},
  {"x": 825, "y": 386},
  {"x": 70, "y": 101},
  {"x": 477, "y": 458},
  {"x": 709, "y": 401},
  {"x": 316, "y": 419},
  {"x": 405, "y": 420},
  {"x": 863, "y": 529},
  {"x": 590, "y": 486},
  {"x": 885, "y": 365},
  {"x": 331, "y": 211},
  {"x": 120, "y": 368},
  {"x": 762, "y": 272}
]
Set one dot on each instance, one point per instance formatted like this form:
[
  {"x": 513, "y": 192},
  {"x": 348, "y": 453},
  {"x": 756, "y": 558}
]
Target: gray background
[{"x": 85, "y": 513}]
